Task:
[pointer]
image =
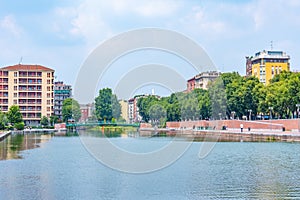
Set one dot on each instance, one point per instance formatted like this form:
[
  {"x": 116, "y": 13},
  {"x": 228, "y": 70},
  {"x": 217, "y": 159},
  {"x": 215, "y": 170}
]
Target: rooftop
[
  {"x": 20, "y": 67},
  {"x": 270, "y": 54}
]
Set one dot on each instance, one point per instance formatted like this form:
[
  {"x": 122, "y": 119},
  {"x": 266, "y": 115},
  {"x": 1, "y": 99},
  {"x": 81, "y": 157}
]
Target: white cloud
[
  {"x": 8, "y": 23},
  {"x": 156, "y": 8},
  {"x": 199, "y": 21}
]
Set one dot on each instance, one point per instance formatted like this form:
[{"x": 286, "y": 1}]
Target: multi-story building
[
  {"x": 266, "y": 64},
  {"x": 190, "y": 84},
  {"x": 202, "y": 80},
  {"x": 30, "y": 87},
  {"x": 87, "y": 111},
  {"x": 248, "y": 66},
  {"x": 124, "y": 109},
  {"x": 61, "y": 92},
  {"x": 133, "y": 109}
]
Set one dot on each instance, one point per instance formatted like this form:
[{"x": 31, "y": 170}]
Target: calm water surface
[{"x": 61, "y": 168}]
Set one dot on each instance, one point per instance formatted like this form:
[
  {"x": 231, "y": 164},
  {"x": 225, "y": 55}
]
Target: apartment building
[
  {"x": 30, "y": 87},
  {"x": 266, "y": 64},
  {"x": 61, "y": 92}
]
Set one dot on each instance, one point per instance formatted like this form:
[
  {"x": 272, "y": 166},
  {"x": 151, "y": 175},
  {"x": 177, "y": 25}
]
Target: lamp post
[
  {"x": 298, "y": 105},
  {"x": 232, "y": 113},
  {"x": 249, "y": 114},
  {"x": 220, "y": 114},
  {"x": 270, "y": 108}
]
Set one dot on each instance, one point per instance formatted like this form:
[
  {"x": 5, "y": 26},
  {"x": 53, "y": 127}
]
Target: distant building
[
  {"x": 133, "y": 114},
  {"x": 61, "y": 92},
  {"x": 202, "y": 80},
  {"x": 124, "y": 109},
  {"x": 133, "y": 109},
  {"x": 191, "y": 84},
  {"x": 266, "y": 64},
  {"x": 30, "y": 87},
  {"x": 87, "y": 111},
  {"x": 248, "y": 66}
]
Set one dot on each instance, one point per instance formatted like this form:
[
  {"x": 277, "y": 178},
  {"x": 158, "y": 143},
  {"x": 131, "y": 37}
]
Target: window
[
  {"x": 15, "y": 102},
  {"x": 15, "y": 87},
  {"x": 48, "y": 95},
  {"x": 48, "y": 109},
  {"x": 15, "y": 81},
  {"x": 48, "y": 75},
  {"x": 15, "y": 74},
  {"x": 48, "y": 88},
  {"x": 15, "y": 94},
  {"x": 48, "y": 102},
  {"x": 48, "y": 81}
]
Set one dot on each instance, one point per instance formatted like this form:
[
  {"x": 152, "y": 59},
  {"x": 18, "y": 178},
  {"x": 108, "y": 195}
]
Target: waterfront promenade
[{"x": 4, "y": 134}]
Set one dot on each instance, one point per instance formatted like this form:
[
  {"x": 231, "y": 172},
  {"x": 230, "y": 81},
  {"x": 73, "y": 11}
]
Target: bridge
[{"x": 137, "y": 125}]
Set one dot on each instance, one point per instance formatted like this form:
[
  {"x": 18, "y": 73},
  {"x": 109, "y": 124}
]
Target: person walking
[{"x": 242, "y": 127}]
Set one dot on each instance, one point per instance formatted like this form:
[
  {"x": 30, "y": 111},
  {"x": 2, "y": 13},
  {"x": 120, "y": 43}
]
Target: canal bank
[
  {"x": 226, "y": 135},
  {"x": 4, "y": 135}
]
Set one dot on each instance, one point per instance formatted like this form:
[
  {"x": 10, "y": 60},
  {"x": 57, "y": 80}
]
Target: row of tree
[
  {"x": 106, "y": 103},
  {"x": 13, "y": 118},
  {"x": 230, "y": 96}
]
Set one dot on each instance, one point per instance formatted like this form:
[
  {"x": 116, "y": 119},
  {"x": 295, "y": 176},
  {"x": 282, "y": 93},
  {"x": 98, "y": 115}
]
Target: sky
[{"x": 61, "y": 34}]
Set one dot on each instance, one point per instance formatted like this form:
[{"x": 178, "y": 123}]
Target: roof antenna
[
  {"x": 21, "y": 60},
  {"x": 271, "y": 44}
]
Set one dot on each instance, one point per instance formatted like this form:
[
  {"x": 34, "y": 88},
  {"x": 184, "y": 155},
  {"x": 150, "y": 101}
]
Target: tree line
[{"x": 230, "y": 96}]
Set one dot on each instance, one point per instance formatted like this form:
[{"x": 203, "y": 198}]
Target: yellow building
[
  {"x": 30, "y": 87},
  {"x": 266, "y": 64},
  {"x": 124, "y": 110}
]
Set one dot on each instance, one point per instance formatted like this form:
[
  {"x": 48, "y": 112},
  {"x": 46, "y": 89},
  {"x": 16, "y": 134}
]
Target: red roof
[{"x": 26, "y": 68}]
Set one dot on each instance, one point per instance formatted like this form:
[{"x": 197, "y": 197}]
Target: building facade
[
  {"x": 202, "y": 80},
  {"x": 248, "y": 66},
  {"x": 61, "y": 92},
  {"x": 266, "y": 64},
  {"x": 190, "y": 84},
  {"x": 30, "y": 87},
  {"x": 87, "y": 111},
  {"x": 124, "y": 110}
]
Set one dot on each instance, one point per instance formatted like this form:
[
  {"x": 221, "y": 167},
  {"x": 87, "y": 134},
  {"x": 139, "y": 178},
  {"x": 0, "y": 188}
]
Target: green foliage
[
  {"x": 3, "y": 120},
  {"x": 14, "y": 115},
  {"x": 71, "y": 110},
  {"x": 44, "y": 121},
  {"x": 107, "y": 105},
  {"x": 53, "y": 119},
  {"x": 19, "y": 125}
]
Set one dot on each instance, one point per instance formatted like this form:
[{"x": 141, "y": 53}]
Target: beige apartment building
[{"x": 30, "y": 87}]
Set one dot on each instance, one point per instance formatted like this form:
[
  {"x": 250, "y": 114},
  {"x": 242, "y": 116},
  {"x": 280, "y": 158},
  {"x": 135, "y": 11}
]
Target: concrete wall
[{"x": 289, "y": 124}]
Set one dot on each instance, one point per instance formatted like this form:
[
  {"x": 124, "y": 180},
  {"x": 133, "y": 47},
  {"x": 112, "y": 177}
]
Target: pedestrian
[{"x": 242, "y": 127}]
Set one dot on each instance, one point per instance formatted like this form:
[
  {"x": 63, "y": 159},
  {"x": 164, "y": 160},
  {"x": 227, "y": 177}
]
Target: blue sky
[{"x": 61, "y": 33}]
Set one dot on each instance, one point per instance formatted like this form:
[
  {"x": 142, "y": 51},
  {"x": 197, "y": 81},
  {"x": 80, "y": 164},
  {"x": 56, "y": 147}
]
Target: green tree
[
  {"x": 44, "y": 121},
  {"x": 3, "y": 120},
  {"x": 116, "y": 107},
  {"x": 71, "y": 110},
  {"x": 107, "y": 105},
  {"x": 218, "y": 99},
  {"x": 14, "y": 115},
  {"x": 158, "y": 115},
  {"x": 53, "y": 120}
]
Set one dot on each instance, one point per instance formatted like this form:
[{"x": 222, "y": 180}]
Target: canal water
[{"x": 47, "y": 167}]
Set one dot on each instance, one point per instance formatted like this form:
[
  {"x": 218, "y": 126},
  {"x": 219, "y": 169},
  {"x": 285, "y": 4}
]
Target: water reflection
[{"x": 11, "y": 147}]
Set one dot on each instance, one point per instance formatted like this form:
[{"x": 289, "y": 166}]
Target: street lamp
[
  {"x": 232, "y": 113},
  {"x": 249, "y": 114},
  {"x": 298, "y": 105},
  {"x": 220, "y": 114},
  {"x": 270, "y": 108}
]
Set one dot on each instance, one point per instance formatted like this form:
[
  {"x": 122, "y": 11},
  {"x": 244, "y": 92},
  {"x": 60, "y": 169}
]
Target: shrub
[{"x": 19, "y": 126}]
